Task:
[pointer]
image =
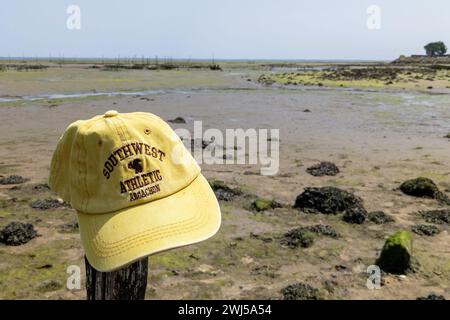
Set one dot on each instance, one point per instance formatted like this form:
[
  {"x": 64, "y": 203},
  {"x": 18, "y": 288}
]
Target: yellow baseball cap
[{"x": 135, "y": 187}]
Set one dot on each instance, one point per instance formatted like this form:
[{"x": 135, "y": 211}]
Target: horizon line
[{"x": 163, "y": 58}]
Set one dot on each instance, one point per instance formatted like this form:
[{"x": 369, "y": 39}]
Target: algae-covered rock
[
  {"x": 41, "y": 187},
  {"x": 355, "y": 215},
  {"x": 224, "y": 192},
  {"x": 46, "y": 204},
  {"x": 420, "y": 187},
  {"x": 300, "y": 291},
  {"x": 177, "y": 120},
  {"x": 324, "y": 168},
  {"x": 17, "y": 233},
  {"x": 425, "y": 230},
  {"x": 447, "y": 136},
  {"x": 299, "y": 237},
  {"x": 424, "y": 188},
  {"x": 396, "y": 254},
  {"x": 324, "y": 230},
  {"x": 379, "y": 217},
  {"x": 327, "y": 200},
  {"x": 264, "y": 204},
  {"x": 14, "y": 179},
  {"x": 441, "y": 216},
  {"x": 431, "y": 296}
]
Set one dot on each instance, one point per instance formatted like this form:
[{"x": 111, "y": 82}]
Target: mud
[{"x": 70, "y": 227}]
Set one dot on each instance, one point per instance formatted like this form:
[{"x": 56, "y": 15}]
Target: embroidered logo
[{"x": 136, "y": 165}]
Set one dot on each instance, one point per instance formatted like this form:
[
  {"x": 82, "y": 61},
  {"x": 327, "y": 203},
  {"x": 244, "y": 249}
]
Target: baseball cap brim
[{"x": 113, "y": 240}]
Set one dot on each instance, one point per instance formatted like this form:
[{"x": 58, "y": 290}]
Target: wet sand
[{"x": 377, "y": 138}]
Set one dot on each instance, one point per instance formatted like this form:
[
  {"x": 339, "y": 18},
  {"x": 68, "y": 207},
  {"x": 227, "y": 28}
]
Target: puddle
[{"x": 90, "y": 94}]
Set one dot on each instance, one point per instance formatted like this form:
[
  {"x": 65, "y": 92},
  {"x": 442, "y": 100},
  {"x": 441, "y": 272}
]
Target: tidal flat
[{"x": 378, "y": 135}]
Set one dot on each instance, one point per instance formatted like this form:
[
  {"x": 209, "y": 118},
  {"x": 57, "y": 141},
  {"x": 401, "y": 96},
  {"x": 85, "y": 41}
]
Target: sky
[{"x": 226, "y": 29}]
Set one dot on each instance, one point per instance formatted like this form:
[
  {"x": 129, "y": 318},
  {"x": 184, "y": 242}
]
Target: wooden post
[{"x": 128, "y": 283}]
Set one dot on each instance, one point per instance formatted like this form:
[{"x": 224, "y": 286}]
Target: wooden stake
[{"x": 128, "y": 283}]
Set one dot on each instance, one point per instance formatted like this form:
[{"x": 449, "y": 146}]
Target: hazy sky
[{"x": 233, "y": 29}]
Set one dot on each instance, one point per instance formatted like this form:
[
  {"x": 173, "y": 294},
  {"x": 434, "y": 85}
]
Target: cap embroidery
[
  {"x": 136, "y": 165},
  {"x": 130, "y": 150}
]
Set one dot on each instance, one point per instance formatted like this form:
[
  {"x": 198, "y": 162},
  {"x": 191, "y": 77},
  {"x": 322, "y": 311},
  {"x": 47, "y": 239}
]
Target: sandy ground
[{"x": 377, "y": 138}]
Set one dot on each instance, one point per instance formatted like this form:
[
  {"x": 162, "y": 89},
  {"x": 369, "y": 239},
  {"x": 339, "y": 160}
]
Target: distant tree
[{"x": 435, "y": 49}]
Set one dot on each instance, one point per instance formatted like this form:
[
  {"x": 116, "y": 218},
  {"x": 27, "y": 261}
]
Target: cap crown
[{"x": 119, "y": 160}]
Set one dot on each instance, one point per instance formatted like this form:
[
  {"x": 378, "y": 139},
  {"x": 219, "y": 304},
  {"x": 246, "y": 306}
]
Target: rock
[
  {"x": 323, "y": 169},
  {"x": 46, "y": 204},
  {"x": 431, "y": 296},
  {"x": 17, "y": 233},
  {"x": 355, "y": 215},
  {"x": 340, "y": 267},
  {"x": 224, "y": 192},
  {"x": 324, "y": 230},
  {"x": 379, "y": 217},
  {"x": 14, "y": 179},
  {"x": 396, "y": 254},
  {"x": 327, "y": 200},
  {"x": 41, "y": 187},
  {"x": 420, "y": 187},
  {"x": 423, "y": 188},
  {"x": 436, "y": 216},
  {"x": 425, "y": 230},
  {"x": 447, "y": 136},
  {"x": 50, "y": 285},
  {"x": 177, "y": 120},
  {"x": 264, "y": 204},
  {"x": 298, "y": 237},
  {"x": 307, "y": 110},
  {"x": 300, "y": 291},
  {"x": 69, "y": 227},
  {"x": 199, "y": 143}
]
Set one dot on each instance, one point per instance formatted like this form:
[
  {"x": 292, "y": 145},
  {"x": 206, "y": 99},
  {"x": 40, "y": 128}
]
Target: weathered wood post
[{"x": 128, "y": 283}]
